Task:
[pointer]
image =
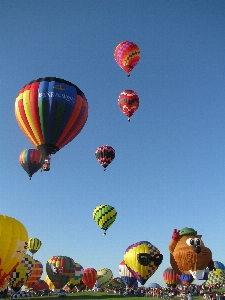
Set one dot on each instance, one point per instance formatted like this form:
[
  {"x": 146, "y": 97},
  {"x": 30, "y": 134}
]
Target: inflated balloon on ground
[{"x": 13, "y": 244}]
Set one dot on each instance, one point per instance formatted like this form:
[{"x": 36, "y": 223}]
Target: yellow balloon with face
[
  {"x": 142, "y": 259},
  {"x": 13, "y": 244}
]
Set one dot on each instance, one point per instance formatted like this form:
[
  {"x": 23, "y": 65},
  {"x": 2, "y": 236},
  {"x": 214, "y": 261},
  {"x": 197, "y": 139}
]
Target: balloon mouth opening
[{"x": 47, "y": 149}]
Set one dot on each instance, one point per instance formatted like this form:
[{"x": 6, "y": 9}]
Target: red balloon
[
  {"x": 128, "y": 102},
  {"x": 89, "y": 278},
  {"x": 40, "y": 285}
]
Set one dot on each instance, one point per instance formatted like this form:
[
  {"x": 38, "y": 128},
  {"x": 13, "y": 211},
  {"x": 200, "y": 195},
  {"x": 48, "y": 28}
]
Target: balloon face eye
[
  {"x": 144, "y": 259},
  {"x": 190, "y": 242},
  {"x": 26, "y": 245},
  {"x": 157, "y": 259},
  {"x": 198, "y": 242}
]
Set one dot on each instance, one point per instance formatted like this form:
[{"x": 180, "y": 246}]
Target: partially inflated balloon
[
  {"x": 104, "y": 277},
  {"x": 89, "y": 278},
  {"x": 126, "y": 275},
  {"x": 51, "y": 112},
  {"x": 79, "y": 273},
  {"x": 127, "y": 55},
  {"x": 128, "y": 102},
  {"x": 21, "y": 274},
  {"x": 13, "y": 244},
  {"x": 31, "y": 160},
  {"x": 105, "y": 155},
  {"x": 216, "y": 277},
  {"x": 49, "y": 283},
  {"x": 60, "y": 269},
  {"x": 34, "y": 245},
  {"x": 104, "y": 215},
  {"x": 35, "y": 274},
  {"x": 142, "y": 259},
  {"x": 40, "y": 285}
]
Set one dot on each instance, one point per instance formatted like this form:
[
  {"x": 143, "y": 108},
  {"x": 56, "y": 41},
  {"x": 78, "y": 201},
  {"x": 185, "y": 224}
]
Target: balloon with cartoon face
[
  {"x": 188, "y": 253},
  {"x": 13, "y": 244},
  {"x": 142, "y": 259}
]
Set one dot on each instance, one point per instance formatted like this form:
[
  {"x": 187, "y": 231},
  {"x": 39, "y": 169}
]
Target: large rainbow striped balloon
[{"x": 51, "y": 112}]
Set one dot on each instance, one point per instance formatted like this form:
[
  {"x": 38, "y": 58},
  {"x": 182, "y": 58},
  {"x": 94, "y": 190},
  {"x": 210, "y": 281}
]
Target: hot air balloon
[
  {"x": 104, "y": 277},
  {"x": 104, "y": 215},
  {"x": 51, "y": 112},
  {"x": 34, "y": 245},
  {"x": 40, "y": 285},
  {"x": 170, "y": 277},
  {"x": 188, "y": 253},
  {"x": 89, "y": 278},
  {"x": 13, "y": 244},
  {"x": 79, "y": 273},
  {"x": 128, "y": 102},
  {"x": 19, "y": 276},
  {"x": 35, "y": 274},
  {"x": 105, "y": 155},
  {"x": 127, "y": 55},
  {"x": 142, "y": 259},
  {"x": 126, "y": 276},
  {"x": 31, "y": 160},
  {"x": 60, "y": 269}
]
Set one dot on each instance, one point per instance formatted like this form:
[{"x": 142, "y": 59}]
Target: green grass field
[{"x": 102, "y": 295}]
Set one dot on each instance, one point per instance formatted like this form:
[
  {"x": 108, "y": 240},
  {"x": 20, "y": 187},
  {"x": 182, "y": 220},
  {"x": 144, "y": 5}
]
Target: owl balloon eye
[{"x": 190, "y": 242}]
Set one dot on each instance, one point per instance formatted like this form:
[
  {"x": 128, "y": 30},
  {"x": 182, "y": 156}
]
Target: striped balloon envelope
[
  {"x": 35, "y": 274},
  {"x": 127, "y": 55},
  {"x": 128, "y": 102},
  {"x": 105, "y": 155},
  {"x": 31, "y": 160},
  {"x": 51, "y": 112},
  {"x": 171, "y": 277},
  {"x": 127, "y": 277},
  {"x": 34, "y": 245},
  {"x": 104, "y": 215},
  {"x": 89, "y": 278}
]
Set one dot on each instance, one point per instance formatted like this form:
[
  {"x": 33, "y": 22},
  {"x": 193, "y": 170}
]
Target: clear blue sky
[{"x": 169, "y": 169}]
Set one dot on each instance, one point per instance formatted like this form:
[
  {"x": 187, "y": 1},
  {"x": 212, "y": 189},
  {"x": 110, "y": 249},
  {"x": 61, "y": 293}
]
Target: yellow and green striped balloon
[
  {"x": 104, "y": 215},
  {"x": 34, "y": 245}
]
